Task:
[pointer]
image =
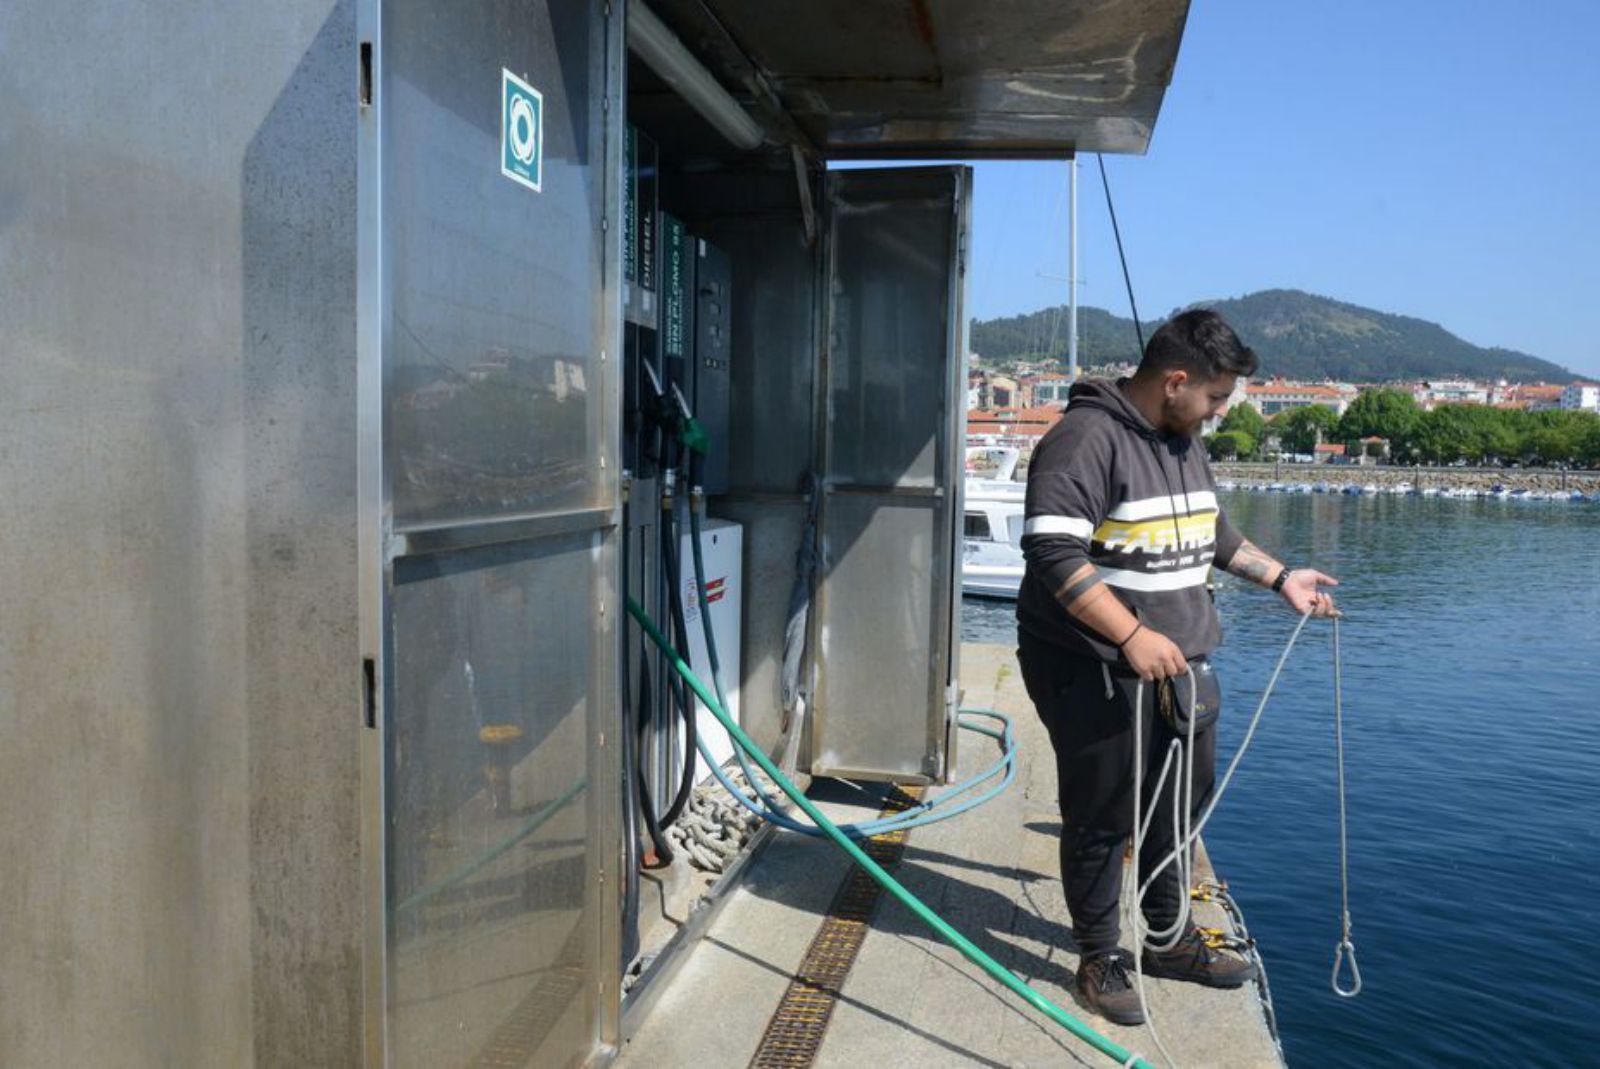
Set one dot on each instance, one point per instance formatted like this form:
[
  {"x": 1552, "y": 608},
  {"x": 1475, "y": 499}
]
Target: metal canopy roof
[{"x": 941, "y": 78}]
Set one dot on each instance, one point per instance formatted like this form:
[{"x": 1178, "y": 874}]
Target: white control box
[{"x": 722, "y": 547}]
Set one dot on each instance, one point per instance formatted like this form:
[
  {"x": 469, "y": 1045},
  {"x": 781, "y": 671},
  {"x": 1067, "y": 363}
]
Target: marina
[{"x": 513, "y": 555}]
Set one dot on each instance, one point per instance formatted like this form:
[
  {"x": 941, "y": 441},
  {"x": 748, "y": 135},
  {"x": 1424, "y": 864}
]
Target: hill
[{"x": 1298, "y": 335}]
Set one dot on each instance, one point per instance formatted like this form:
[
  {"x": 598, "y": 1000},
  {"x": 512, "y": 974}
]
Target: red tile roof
[{"x": 1280, "y": 387}]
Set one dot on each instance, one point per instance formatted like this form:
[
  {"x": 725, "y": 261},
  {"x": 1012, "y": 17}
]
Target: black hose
[
  {"x": 653, "y": 449},
  {"x": 664, "y": 855},
  {"x": 684, "y": 702},
  {"x": 630, "y": 758}
]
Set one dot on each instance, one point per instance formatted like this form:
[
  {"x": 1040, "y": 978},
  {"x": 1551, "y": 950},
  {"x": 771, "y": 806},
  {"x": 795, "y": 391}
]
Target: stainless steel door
[
  {"x": 894, "y": 369},
  {"x": 494, "y": 512}
]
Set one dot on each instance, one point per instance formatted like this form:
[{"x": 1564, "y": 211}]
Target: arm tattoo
[
  {"x": 1251, "y": 562},
  {"x": 1075, "y": 588}
]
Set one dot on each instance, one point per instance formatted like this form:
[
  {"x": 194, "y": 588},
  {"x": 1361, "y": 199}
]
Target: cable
[{"x": 1117, "y": 231}]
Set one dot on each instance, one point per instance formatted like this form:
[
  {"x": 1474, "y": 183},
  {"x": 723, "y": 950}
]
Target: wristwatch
[{"x": 1283, "y": 576}]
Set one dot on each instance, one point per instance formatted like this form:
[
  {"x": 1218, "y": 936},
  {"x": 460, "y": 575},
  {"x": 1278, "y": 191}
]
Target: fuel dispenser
[{"x": 677, "y": 396}]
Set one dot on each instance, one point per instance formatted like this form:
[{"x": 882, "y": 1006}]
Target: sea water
[{"x": 1471, "y": 653}]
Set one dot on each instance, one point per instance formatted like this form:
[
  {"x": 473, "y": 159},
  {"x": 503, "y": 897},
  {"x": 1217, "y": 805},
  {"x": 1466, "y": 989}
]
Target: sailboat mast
[{"x": 1072, "y": 267}]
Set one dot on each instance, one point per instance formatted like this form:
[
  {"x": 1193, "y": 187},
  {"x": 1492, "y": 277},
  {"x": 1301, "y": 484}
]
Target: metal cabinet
[
  {"x": 893, "y": 364},
  {"x": 489, "y": 521}
]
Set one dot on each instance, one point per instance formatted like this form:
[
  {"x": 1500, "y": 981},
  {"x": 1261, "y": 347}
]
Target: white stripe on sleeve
[{"x": 1065, "y": 525}]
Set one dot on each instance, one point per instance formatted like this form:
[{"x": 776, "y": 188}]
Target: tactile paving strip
[{"x": 795, "y": 1033}]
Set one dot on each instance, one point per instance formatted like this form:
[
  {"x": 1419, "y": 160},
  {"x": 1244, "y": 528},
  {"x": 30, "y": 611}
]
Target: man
[{"x": 1122, "y": 530}]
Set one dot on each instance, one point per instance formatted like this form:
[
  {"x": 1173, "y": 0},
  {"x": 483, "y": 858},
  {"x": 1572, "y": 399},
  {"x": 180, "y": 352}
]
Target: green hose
[{"x": 968, "y": 948}]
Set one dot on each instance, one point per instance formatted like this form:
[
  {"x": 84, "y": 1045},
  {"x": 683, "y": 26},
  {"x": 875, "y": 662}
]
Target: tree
[
  {"x": 1244, "y": 417},
  {"x": 1500, "y": 439},
  {"x": 1226, "y": 445},
  {"x": 1445, "y": 435},
  {"x": 1303, "y": 428},
  {"x": 1386, "y": 413},
  {"x": 1557, "y": 437},
  {"x": 1589, "y": 441}
]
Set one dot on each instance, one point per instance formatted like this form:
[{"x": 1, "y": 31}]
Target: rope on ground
[{"x": 713, "y": 829}]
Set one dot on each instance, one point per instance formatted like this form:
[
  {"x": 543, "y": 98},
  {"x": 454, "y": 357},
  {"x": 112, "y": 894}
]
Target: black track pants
[{"x": 1093, "y": 740}]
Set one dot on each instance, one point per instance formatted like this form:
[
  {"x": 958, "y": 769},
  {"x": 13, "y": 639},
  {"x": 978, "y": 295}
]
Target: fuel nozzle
[{"x": 690, "y": 432}]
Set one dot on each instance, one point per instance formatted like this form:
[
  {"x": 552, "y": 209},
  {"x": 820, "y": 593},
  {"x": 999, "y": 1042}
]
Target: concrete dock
[{"x": 909, "y": 999}]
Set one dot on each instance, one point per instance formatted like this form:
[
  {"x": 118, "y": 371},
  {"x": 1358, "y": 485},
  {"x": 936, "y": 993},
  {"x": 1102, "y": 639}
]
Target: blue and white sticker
[{"x": 521, "y": 131}]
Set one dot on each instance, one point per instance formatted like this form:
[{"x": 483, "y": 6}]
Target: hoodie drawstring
[{"x": 1177, "y": 531}]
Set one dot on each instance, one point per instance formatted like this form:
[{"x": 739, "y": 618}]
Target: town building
[
  {"x": 1021, "y": 427},
  {"x": 1327, "y": 452},
  {"x": 1051, "y": 389},
  {"x": 1278, "y": 395},
  {"x": 1452, "y": 392},
  {"x": 1582, "y": 396},
  {"x": 1001, "y": 392},
  {"x": 1237, "y": 397}
]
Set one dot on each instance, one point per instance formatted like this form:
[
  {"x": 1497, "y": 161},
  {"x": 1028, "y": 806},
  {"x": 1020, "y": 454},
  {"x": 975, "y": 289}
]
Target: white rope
[
  {"x": 1187, "y": 831},
  {"x": 1131, "y": 900},
  {"x": 1249, "y": 735},
  {"x": 712, "y": 829},
  {"x": 1346, "y": 949}
]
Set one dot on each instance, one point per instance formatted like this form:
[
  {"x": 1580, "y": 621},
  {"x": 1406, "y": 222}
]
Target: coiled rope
[{"x": 1188, "y": 829}]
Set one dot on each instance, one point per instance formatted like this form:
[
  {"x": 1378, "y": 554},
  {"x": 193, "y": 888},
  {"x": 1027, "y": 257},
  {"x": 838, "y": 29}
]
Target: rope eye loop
[{"x": 1346, "y": 951}]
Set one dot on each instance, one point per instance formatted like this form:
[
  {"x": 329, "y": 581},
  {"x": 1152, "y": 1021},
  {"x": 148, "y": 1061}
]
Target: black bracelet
[
  {"x": 1283, "y": 577},
  {"x": 1129, "y": 639}
]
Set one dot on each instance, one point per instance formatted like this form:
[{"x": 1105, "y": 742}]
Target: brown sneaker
[
  {"x": 1198, "y": 963},
  {"x": 1105, "y": 983}
]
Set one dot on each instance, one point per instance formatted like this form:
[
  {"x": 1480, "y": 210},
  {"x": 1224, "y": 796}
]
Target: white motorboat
[{"x": 991, "y": 555}]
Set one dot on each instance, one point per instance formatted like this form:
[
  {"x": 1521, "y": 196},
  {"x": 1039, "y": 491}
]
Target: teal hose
[
  {"x": 914, "y": 817},
  {"x": 949, "y": 804},
  {"x": 970, "y": 950}
]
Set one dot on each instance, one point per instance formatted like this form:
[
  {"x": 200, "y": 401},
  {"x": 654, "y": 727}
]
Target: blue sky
[{"x": 1433, "y": 159}]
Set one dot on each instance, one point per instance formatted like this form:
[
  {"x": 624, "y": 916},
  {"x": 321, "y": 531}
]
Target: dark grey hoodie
[{"x": 1105, "y": 486}]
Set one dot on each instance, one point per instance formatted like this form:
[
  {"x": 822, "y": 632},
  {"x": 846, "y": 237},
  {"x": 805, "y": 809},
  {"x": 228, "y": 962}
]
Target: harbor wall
[{"x": 1544, "y": 480}]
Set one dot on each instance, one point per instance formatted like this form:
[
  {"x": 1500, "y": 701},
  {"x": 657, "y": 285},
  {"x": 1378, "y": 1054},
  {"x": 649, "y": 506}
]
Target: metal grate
[{"x": 794, "y": 1035}]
